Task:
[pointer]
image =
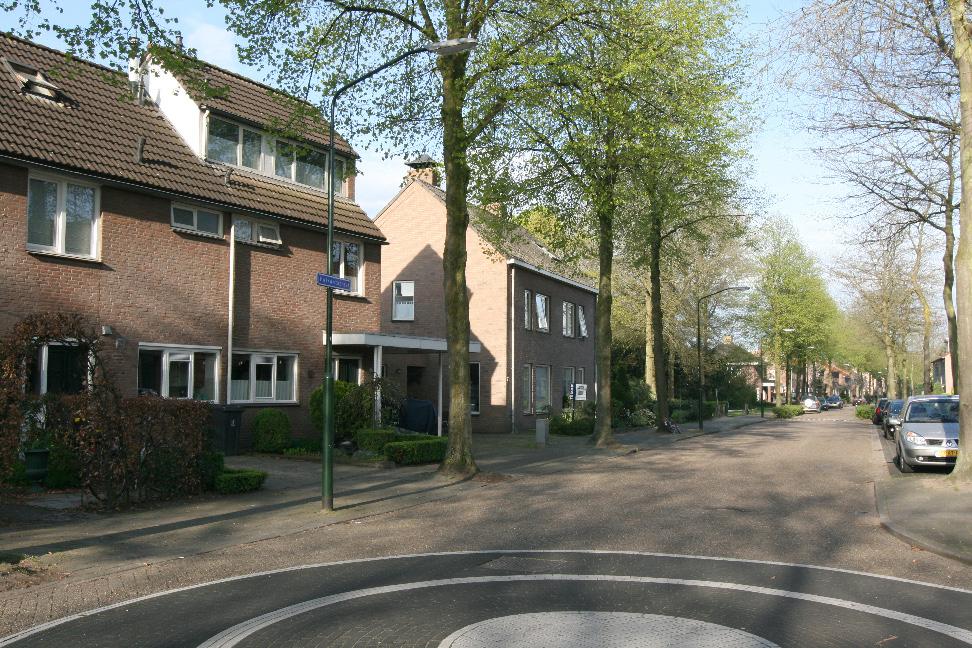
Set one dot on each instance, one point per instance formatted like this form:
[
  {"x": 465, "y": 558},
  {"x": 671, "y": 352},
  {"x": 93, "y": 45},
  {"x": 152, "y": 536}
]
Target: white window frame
[
  {"x": 338, "y": 268},
  {"x": 569, "y": 324},
  {"x": 356, "y": 358},
  {"x": 261, "y": 164},
  {"x": 256, "y": 238},
  {"x": 252, "y": 399},
  {"x": 581, "y": 321},
  {"x": 60, "y": 217},
  {"x": 479, "y": 387},
  {"x": 195, "y": 220},
  {"x": 168, "y": 349},
  {"x": 42, "y": 362},
  {"x": 527, "y": 309},
  {"x": 396, "y": 317}
]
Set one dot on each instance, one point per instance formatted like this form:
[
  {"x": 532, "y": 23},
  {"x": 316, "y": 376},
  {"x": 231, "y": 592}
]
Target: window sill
[
  {"x": 344, "y": 293},
  {"x": 403, "y": 320},
  {"x": 264, "y": 403},
  {"x": 192, "y": 232},
  {"x": 62, "y": 255},
  {"x": 257, "y": 244}
]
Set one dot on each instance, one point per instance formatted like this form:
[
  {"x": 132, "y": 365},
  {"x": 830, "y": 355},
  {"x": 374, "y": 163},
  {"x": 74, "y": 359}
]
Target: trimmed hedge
[
  {"x": 271, "y": 430},
  {"x": 239, "y": 481},
  {"x": 407, "y": 453},
  {"x": 375, "y": 440},
  {"x": 210, "y": 467},
  {"x": 787, "y": 411},
  {"x": 865, "y": 412},
  {"x": 580, "y": 426},
  {"x": 63, "y": 467}
]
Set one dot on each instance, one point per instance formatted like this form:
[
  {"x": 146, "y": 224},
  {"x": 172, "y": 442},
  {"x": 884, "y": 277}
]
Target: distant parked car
[
  {"x": 835, "y": 402},
  {"x": 929, "y": 432},
  {"x": 810, "y": 403},
  {"x": 879, "y": 411},
  {"x": 858, "y": 401},
  {"x": 892, "y": 419}
]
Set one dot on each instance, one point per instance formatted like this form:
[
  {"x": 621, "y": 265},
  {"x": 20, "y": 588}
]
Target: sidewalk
[{"x": 929, "y": 512}]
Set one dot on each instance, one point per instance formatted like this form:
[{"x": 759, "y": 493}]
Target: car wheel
[{"x": 903, "y": 465}]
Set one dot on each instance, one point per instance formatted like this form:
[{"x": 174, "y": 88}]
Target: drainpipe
[
  {"x": 229, "y": 309},
  {"x": 512, "y": 349}
]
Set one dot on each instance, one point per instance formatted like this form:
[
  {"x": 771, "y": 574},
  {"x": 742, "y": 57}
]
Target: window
[
  {"x": 59, "y": 369},
  {"x": 526, "y": 390},
  {"x": 403, "y": 305},
  {"x": 300, "y": 164},
  {"x": 474, "y": 387},
  {"x": 568, "y": 381},
  {"x": 541, "y": 388},
  {"x": 568, "y": 325},
  {"x": 199, "y": 221},
  {"x": 541, "y": 320},
  {"x": 62, "y": 217},
  {"x": 527, "y": 310},
  {"x": 346, "y": 263},
  {"x": 178, "y": 372},
  {"x": 231, "y": 143},
  {"x": 34, "y": 81},
  {"x": 249, "y": 231},
  {"x": 348, "y": 370},
  {"x": 580, "y": 376},
  {"x": 339, "y": 176},
  {"x": 263, "y": 377},
  {"x": 581, "y": 322}
]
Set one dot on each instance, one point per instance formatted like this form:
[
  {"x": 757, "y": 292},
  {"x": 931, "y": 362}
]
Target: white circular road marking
[
  {"x": 234, "y": 635},
  {"x": 600, "y": 629},
  {"x": 17, "y": 636}
]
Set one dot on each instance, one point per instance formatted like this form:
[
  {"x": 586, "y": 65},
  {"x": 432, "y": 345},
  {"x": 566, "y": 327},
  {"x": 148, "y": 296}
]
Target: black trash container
[{"x": 227, "y": 423}]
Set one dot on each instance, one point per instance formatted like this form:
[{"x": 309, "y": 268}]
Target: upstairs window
[
  {"x": 581, "y": 322},
  {"x": 541, "y": 318},
  {"x": 62, "y": 217},
  {"x": 346, "y": 263},
  {"x": 302, "y": 165},
  {"x": 403, "y": 305},
  {"x": 34, "y": 81},
  {"x": 260, "y": 232},
  {"x": 198, "y": 221},
  {"x": 568, "y": 317},
  {"x": 527, "y": 310},
  {"x": 231, "y": 143}
]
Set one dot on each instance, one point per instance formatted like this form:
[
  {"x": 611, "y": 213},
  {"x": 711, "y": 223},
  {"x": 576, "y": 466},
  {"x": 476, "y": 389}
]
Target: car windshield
[
  {"x": 896, "y": 406},
  {"x": 937, "y": 411},
  {"x": 834, "y": 399}
]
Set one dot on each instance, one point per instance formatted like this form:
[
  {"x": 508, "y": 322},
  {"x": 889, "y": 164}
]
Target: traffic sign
[{"x": 330, "y": 281}]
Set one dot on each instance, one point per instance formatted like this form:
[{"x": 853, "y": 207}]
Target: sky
[{"x": 785, "y": 171}]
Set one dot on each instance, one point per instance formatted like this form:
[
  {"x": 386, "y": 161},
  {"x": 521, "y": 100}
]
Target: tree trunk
[
  {"x": 458, "y": 459},
  {"x": 657, "y": 322},
  {"x": 891, "y": 383},
  {"x": 963, "y": 259},
  {"x": 605, "y": 246},
  {"x": 671, "y": 373},
  {"x": 777, "y": 382},
  {"x": 948, "y": 264},
  {"x": 650, "y": 342}
]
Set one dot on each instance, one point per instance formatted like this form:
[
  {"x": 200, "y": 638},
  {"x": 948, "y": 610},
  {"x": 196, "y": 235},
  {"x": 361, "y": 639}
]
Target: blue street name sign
[{"x": 330, "y": 281}]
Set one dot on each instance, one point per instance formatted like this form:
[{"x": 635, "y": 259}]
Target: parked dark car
[
  {"x": 879, "y": 411},
  {"x": 835, "y": 402},
  {"x": 892, "y": 419}
]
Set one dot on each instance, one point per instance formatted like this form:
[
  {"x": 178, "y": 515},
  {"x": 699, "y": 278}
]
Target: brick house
[
  {"x": 181, "y": 226},
  {"x": 530, "y": 315}
]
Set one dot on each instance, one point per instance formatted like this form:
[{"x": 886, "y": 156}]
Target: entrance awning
[{"x": 397, "y": 341}]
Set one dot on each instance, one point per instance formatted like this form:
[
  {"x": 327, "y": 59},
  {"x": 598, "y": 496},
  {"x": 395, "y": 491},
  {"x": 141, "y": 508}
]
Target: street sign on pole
[
  {"x": 330, "y": 281},
  {"x": 579, "y": 391}
]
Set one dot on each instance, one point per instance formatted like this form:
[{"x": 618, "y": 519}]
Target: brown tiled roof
[
  {"x": 264, "y": 106},
  {"x": 516, "y": 243},
  {"x": 96, "y": 130}
]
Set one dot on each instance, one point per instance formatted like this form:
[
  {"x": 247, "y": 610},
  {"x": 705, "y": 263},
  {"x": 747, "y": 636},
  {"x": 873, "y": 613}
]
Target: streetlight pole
[
  {"x": 441, "y": 48},
  {"x": 698, "y": 343}
]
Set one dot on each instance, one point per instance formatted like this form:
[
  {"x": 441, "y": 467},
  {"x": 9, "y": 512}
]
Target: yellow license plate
[{"x": 947, "y": 453}]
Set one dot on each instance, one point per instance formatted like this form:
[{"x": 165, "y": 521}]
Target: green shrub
[
  {"x": 642, "y": 418},
  {"x": 271, "y": 430},
  {"x": 16, "y": 475},
  {"x": 787, "y": 411},
  {"x": 210, "y": 466},
  {"x": 563, "y": 426},
  {"x": 63, "y": 467},
  {"x": 239, "y": 481},
  {"x": 373, "y": 440},
  {"x": 865, "y": 412},
  {"x": 420, "y": 451}
]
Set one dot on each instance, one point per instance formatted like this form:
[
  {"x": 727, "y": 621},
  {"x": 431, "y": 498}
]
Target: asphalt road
[{"x": 760, "y": 537}]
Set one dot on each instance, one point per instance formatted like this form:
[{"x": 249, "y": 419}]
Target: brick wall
[{"x": 156, "y": 285}]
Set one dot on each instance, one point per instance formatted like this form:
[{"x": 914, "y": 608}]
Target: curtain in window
[
  {"x": 204, "y": 376},
  {"x": 263, "y": 370},
  {"x": 41, "y": 212},
  {"x": 351, "y": 264},
  {"x": 404, "y": 305},
  {"x": 240, "y": 377},
  {"x": 252, "y": 149},
  {"x": 284, "y": 160},
  {"x": 285, "y": 378},
  {"x": 79, "y": 207},
  {"x": 310, "y": 168},
  {"x": 223, "y": 140}
]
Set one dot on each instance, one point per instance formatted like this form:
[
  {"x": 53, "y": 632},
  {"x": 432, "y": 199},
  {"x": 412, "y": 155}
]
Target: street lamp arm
[{"x": 711, "y": 294}]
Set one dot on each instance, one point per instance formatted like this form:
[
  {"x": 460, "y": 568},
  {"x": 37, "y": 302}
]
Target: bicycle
[{"x": 670, "y": 426}]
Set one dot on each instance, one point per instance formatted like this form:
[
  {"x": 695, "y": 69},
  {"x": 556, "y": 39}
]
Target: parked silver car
[
  {"x": 810, "y": 403},
  {"x": 929, "y": 432}
]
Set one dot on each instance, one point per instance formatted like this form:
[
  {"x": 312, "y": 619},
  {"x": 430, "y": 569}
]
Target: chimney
[
  {"x": 178, "y": 41},
  {"x": 423, "y": 168}
]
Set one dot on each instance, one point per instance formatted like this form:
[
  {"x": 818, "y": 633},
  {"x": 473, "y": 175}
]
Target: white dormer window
[
  {"x": 231, "y": 143},
  {"x": 188, "y": 218},
  {"x": 34, "y": 81}
]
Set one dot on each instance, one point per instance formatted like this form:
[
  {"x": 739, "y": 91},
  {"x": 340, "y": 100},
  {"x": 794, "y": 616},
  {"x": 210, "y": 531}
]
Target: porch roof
[{"x": 409, "y": 342}]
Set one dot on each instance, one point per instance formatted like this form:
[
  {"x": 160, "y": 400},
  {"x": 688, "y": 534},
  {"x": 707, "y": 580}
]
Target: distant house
[
  {"x": 942, "y": 374},
  {"x": 186, "y": 227},
  {"x": 531, "y": 316}
]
